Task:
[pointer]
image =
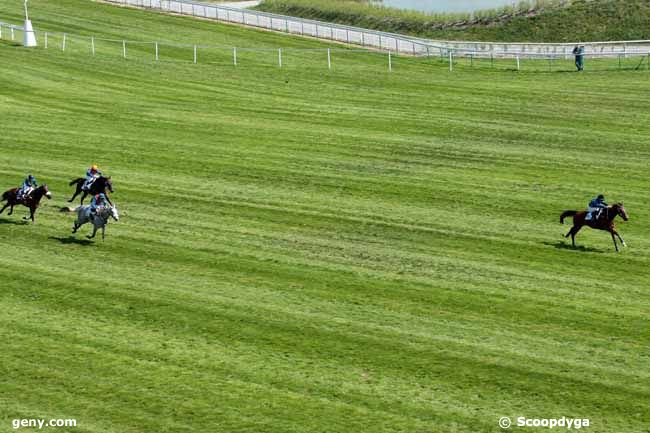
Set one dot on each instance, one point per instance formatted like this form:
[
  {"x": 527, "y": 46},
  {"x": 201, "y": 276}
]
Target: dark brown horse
[
  {"x": 604, "y": 222},
  {"x": 101, "y": 185},
  {"x": 32, "y": 201}
]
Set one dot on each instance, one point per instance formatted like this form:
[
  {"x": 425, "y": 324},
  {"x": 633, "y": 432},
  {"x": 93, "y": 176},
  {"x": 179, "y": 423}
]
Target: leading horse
[
  {"x": 604, "y": 222},
  {"x": 99, "y": 221},
  {"x": 32, "y": 201},
  {"x": 101, "y": 185}
]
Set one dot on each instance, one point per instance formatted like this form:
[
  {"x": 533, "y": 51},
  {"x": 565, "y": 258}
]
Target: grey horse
[{"x": 99, "y": 221}]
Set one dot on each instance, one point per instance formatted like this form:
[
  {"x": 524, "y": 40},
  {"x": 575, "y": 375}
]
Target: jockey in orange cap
[{"x": 91, "y": 176}]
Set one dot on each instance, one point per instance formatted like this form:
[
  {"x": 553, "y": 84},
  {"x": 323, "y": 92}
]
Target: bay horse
[
  {"x": 101, "y": 185},
  {"x": 32, "y": 201},
  {"x": 604, "y": 222}
]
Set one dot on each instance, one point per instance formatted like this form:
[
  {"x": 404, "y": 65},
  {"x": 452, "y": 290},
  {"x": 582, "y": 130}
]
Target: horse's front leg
[
  {"x": 4, "y": 207},
  {"x": 94, "y": 233},
  {"x": 11, "y": 211},
  {"x": 83, "y": 197},
  {"x": 620, "y": 238},
  {"x": 614, "y": 239},
  {"x": 103, "y": 232}
]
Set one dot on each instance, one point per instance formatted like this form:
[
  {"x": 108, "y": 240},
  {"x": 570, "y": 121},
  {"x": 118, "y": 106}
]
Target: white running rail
[{"x": 403, "y": 44}]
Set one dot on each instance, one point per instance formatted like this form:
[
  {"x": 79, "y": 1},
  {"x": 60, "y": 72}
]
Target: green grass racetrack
[{"x": 310, "y": 251}]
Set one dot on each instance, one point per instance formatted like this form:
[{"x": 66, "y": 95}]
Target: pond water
[{"x": 447, "y": 5}]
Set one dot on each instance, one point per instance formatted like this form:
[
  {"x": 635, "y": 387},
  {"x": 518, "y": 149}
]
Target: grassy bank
[
  {"x": 304, "y": 251},
  {"x": 542, "y": 21}
]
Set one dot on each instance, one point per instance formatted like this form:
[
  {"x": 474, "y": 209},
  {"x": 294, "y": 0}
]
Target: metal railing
[
  {"x": 227, "y": 54},
  {"x": 374, "y": 39}
]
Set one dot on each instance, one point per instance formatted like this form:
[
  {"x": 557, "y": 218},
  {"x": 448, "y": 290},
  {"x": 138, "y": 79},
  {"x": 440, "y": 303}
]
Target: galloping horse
[
  {"x": 99, "y": 221},
  {"x": 32, "y": 201},
  {"x": 604, "y": 222},
  {"x": 101, "y": 185}
]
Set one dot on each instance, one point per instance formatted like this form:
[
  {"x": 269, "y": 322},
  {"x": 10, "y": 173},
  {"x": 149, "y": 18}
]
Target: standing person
[{"x": 579, "y": 52}]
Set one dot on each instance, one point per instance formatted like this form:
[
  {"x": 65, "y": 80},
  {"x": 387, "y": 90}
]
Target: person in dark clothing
[{"x": 579, "y": 52}]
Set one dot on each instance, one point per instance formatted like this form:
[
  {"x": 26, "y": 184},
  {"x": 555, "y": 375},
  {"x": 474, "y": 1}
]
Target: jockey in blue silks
[
  {"x": 99, "y": 201},
  {"x": 27, "y": 187},
  {"x": 595, "y": 207}
]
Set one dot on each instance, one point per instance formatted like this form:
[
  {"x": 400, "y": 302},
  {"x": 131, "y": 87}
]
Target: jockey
[
  {"x": 99, "y": 201},
  {"x": 27, "y": 187},
  {"x": 91, "y": 176},
  {"x": 595, "y": 207}
]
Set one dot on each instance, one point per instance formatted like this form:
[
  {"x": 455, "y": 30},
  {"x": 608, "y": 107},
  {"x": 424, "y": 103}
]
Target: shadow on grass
[
  {"x": 20, "y": 222},
  {"x": 10, "y": 43},
  {"x": 72, "y": 240},
  {"x": 561, "y": 245}
]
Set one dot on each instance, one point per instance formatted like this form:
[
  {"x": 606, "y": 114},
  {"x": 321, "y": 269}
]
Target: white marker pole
[
  {"x": 451, "y": 61},
  {"x": 156, "y": 51},
  {"x": 329, "y": 58},
  {"x": 63, "y": 42},
  {"x": 124, "y": 49},
  {"x": 234, "y": 56},
  {"x": 280, "y": 57},
  {"x": 194, "y": 54},
  {"x": 518, "y": 64},
  {"x": 45, "y": 40},
  {"x": 390, "y": 61},
  {"x": 29, "y": 38},
  {"x": 92, "y": 44}
]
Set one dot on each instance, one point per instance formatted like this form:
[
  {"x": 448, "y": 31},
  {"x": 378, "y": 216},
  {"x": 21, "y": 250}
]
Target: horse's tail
[
  {"x": 567, "y": 214},
  {"x": 77, "y": 180}
]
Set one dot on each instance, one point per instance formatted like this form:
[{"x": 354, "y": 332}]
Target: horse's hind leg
[
  {"x": 83, "y": 197},
  {"x": 4, "y": 207},
  {"x": 11, "y": 210}
]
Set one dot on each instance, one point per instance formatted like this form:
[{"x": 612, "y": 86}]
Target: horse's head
[
  {"x": 109, "y": 184},
  {"x": 620, "y": 211},
  {"x": 114, "y": 213},
  {"x": 46, "y": 191}
]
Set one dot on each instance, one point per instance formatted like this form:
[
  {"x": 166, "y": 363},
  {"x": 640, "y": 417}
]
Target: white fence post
[
  {"x": 0, "y": 30},
  {"x": 280, "y": 57},
  {"x": 451, "y": 61},
  {"x": 518, "y": 63},
  {"x": 12, "y": 33},
  {"x": 329, "y": 58},
  {"x": 234, "y": 56},
  {"x": 45, "y": 40},
  {"x": 390, "y": 61},
  {"x": 124, "y": 49},
  {"x": 63, "y": 42},
  {"x": 92, "y": 44}
]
